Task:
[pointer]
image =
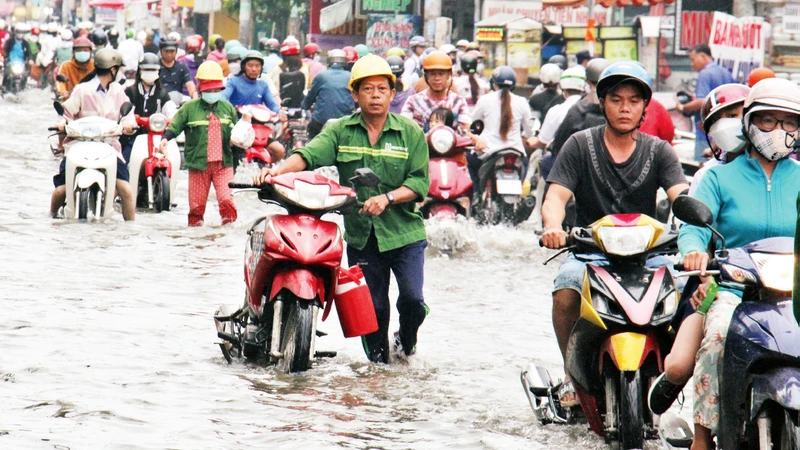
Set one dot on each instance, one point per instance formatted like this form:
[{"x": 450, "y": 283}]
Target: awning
[
  {"x": 514, "y": 21},
  {"x": 605, "y": 3},
  {"x": 122, "y": 4},
  {"x": 651, "y": 26}
]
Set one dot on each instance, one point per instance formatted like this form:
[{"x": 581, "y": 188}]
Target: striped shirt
[{"x": 419, "y": 107}]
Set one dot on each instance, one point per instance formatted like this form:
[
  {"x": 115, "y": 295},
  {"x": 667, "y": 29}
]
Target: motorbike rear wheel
[
  {"x": 161, "y": 200},
  {"x": 298, "y": 329},
  {"x": 630, "y": 410}
]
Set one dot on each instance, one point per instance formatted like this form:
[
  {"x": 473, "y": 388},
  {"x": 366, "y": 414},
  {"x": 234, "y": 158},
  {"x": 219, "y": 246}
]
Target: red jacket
[{"x": 657, "y": 121}]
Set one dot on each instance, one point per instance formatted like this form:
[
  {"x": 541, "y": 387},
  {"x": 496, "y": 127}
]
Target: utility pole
[
  {"x": 245, "y": 22},
  {"x": 166, "y": 16},
  {"x": 66, "y": 11}
]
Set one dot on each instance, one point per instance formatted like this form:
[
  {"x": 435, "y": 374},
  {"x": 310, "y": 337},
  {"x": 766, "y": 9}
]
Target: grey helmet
[
  {"x": 150, "y": 61},
  {"x": 396, "y": 64},
  {"x": 337, "y": 56},
  {"x": 253, "y": 55},
  {"x": 595, "y": 68},
  {"x": 106, "y": 58}
]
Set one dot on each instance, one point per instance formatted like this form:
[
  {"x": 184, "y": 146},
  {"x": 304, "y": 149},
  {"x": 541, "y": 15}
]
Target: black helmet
[
  {"x": 168, "y": 44},
  {"x": 262, "y": 44},
  {"x": 150, "y": 61},
  {"x": 99, "y": 38},
  {"x": 469, "y": 63},
  {"x": 595, "y": 69},
  {"x": 558, "y": 60},
  {"x": 396, "y": 64}
]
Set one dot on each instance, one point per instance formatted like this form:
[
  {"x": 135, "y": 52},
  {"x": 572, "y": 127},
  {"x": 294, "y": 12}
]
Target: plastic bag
[{"x": 243, "y": 134}]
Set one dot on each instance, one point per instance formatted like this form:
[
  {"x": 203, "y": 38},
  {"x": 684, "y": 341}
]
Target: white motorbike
[
  {"x": 91, "y": 164},
  {"x": 152, "y": 174}
]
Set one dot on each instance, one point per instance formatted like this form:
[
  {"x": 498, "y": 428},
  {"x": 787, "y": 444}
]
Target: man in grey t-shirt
[{"x": 609, "y": 169}]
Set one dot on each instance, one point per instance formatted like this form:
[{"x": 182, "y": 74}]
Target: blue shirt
[
  {"x": 17, "y": 53},
  {"x": 243, "y": 91},
  {"x": 710, "y": 77},
  {"x": 746, "y": 206},
  {"x": 271, "y": 61},
  {"x": 330, "y": 95}
]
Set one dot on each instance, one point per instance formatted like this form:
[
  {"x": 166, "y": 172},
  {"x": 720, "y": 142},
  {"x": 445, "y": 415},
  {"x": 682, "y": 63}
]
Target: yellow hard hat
[
  {"x": 209, "y": 71},
  {"x": 396, "y": 51},
  {"x": 369, "y": 66}
]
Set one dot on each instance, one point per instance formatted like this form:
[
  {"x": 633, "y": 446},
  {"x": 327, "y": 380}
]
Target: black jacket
[
  {"x": 583, "y": 115},
  {"x": 26, "y": 49},
  {"x": 152, "y": 105}
]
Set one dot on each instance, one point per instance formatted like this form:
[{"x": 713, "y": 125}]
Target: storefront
[{"x": 511, "y": 40}]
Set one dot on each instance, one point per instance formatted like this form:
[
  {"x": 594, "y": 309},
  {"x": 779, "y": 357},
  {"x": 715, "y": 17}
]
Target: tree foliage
[{"x": 267, "y": 11}]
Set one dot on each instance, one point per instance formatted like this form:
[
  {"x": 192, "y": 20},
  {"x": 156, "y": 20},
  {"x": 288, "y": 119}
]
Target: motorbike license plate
[{"x": 509, "y": 187}]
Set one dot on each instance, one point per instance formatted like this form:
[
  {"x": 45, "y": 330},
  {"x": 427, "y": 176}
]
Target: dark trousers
[
  {"x": 407, "y": 264},
  {"x": 314, "y": 128}
]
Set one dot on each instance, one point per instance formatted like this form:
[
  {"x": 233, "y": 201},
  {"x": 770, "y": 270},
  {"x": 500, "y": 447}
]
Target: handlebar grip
[
  {"x": 712, "y": 265},
  {"x": 233, "y": 185},
  {"x": 541, "y": 242},
  {"x": 679, "y": 267},
  {"x": 52, "y": 128}
]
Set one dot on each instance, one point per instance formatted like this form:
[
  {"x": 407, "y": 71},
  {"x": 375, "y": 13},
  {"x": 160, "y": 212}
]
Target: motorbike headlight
[
  {"x": 442, "y": 141},
  {"x": 626, "y": 241},
  {"x": 17, "y": 69},
  {"x": 158, "y": 123},
  {"x": 311, "y": 196},
  {"x": 776, "y": 271},
  {"x": 670, "y": 304}
]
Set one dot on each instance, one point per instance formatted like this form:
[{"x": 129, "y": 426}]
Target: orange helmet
[
  {"x": 437, "y": 61},
  {"x": 759, "y": 74}
]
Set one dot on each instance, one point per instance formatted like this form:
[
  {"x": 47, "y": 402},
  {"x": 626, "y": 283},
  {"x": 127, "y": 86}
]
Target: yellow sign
[
  {"x": 573, "y": 47},
  {"x": 186, "y": 3},
  {"x": 617, "y": 33},
  {"x": 577, "y": 32},
  {"x": 621, "y": 50},
  {"x": 490, "y": 34},
  {"x": 525, "y": 55}
]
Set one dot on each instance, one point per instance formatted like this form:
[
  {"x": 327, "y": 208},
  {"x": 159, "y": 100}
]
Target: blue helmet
[
  {"x": 504, "y": 77},
  {"x": 622, "y": 72}
]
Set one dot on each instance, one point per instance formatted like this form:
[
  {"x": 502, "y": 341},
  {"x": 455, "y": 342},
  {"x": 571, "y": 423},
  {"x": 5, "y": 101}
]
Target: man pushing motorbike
[
  {"x": 609, "y": 169},
  {"x": 388, "y": 235}
]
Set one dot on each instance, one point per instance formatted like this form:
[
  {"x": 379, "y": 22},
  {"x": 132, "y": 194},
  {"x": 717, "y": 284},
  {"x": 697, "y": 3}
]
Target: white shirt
[
  {"x": 701, "y": 173},
  {"x": 488, "y": 110},
  {"x": 554, "y": 118},
  {"x": 411, "y": 68},
  {"x": 132, "y": 53}
]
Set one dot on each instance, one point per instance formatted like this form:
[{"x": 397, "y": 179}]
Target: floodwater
[{"x": 108, "y": 338}]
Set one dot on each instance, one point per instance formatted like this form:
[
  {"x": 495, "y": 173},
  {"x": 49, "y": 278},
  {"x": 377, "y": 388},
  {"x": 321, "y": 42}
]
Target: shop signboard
[
  {"x": 385, "y": 31},
  {"x": 536, "y": 11},
  {"x": 693, "y": 22},
  {"x": 490, "y": 34},
  {"x": 791, "y": 18},
  {"x": 406, "y": 7},
  {"x": 738, "y": 44}
]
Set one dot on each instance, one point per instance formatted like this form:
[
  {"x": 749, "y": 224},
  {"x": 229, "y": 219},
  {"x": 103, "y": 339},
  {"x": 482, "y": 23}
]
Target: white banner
[
  {"x": 791, "y": 18},
  {"x": 738, "y": 44},
  {"x": 336, "y": 15},
  {"x": 535, "y": 11},
  {"x": 207, "y": 6}
]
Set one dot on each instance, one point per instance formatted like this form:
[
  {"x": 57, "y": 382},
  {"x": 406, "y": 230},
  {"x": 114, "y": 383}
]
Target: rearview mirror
[
  {"x": 692, "y": 211},
  {"x": 59, "y": 108},
  {"x": 176, "y": 98},
  {"x": 476, "y": 127},
  {"x": 365, "y": 177},
  {"x": 125, "y": 109}
]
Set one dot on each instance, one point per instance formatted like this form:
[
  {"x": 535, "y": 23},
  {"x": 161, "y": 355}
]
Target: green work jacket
[{"x": 192, "y": 119}]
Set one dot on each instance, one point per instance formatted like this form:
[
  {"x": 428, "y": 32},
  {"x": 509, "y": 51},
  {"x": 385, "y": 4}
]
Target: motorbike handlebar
[
  {"x": 233, "y": 185},
  {"x": 712, "y": 265},
  {"x": 52, "y": 129}
]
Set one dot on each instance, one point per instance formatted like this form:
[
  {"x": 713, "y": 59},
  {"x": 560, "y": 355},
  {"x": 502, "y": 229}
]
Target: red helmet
[
  {"x": 290, "y": 46},
  {"x": 311, "y": 49},
  {"x": 35, "y": 31},
  {"x": 82, "y": 42},
  {"x": 720, "y": 98},
  {"x": 351, "y": 53},
  {"x": 193, "y": 44}
]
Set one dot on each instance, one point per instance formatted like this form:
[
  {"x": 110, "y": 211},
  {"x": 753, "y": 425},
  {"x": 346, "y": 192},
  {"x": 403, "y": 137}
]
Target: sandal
[{"x": 565, "y": 389}]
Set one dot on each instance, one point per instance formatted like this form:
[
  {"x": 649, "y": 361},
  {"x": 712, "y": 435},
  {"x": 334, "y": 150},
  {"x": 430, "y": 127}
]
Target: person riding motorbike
[
  {"x": 148, "y": 97},
  {"x": 99, "y": 39},
  {"x": 45, "y": 59},
  {"x": 397, "y": 65},
  {"x": 16, "y": 50},
  {"x": 234, "y": 58},
  {"x": 573, "y": 86},
  {"x": 506, "y": 118},
  {"x": 248, "y": 88},
  {"x": 469, "y": 85},
  {"x": 352, "y": 56},
  {"x": 311, "y": 52},
  {"x": 113, "y": 38},
  {"x": 541, "y": 102},
  {"x": 603, "y": 168},
  {"x": 389, "y": 234},
  {"x": 100, "y": 96},
  {"x": 77, "y": 68},
  {"x": 132, "y": 52},
  {"x": 193, "y": 57},
  {"x": 413, "y": 65},
  {"x": 174, "y": 75},
  {"x": 329, "y": 94},
  {"x": 291, "y": 77},
  {"x": 219, "y": 50},
  {"x": 64, "y": 48},
  {"x": 748, "y": 198},
  {"x": 271, "y": 49}
]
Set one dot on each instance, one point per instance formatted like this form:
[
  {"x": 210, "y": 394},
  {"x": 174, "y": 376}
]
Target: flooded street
[{"x": 108, "y": 337}]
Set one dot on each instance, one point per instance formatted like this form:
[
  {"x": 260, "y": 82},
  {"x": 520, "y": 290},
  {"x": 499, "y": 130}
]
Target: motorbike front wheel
[
  {"x": 161, "y": 198},
  {"x": 630, "y": 410},
  {"x": 87, "y": 203},
  {"x": 298, "y": 329}
]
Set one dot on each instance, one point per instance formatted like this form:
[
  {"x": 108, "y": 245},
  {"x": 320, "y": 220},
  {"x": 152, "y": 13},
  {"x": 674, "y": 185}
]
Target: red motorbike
[
  {"x": 290, "y": 269},
  {"x": 264, "y": 123},
  {"x": 295, "y": 131},
  {"x": 151, "y": 171},
  {"x": 451, "y": 185}
]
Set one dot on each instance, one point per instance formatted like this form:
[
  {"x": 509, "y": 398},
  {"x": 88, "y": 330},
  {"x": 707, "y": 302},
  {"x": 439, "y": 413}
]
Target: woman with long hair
[{"x": 469, "y": 85}]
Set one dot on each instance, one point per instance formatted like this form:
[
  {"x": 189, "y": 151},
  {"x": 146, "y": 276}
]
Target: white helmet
[
  {"x": 772, "y": 94},
  {"x": 85, "y": 25},
  {"x": 3, "y": 24},
  {"x": 573, "y": 79},
  {"x": 462, "y": 43},
  {"x": 21, "y": 28},
  {"x": 447, "y": 48},
  {"x": 66, "y": 34},
  {"x": 550, "y": 74},
  {"x": 175, "y": 36}
]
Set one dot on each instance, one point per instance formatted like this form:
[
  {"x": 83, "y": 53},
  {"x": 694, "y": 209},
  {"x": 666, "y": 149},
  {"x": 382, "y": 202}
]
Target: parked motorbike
[
  {"x": 151, "y": 171},
  {"x": 617, "y": 346},
  {"x": 451, "y": 185},
  {"x": 760, "y": 376},
  {"x": 264, "y": 124},
  {"x": 91, "y": 165},
  {"x": 291, "y": 266}
]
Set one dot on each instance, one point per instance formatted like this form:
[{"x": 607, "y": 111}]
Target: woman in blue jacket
[{"x": 752, "y": 198}]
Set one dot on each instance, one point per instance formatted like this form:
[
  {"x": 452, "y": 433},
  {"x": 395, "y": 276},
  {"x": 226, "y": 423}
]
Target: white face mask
[
  {"x": 728, "y": 136},
  {"x": 149, "y": 76},
  {"x": 316, "y": 57},
  {"x": 481, "y": 68},
  {"x": 773, "y": 145},
  {"x": 235, "y": 68}
]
